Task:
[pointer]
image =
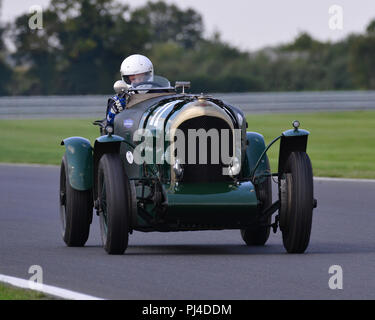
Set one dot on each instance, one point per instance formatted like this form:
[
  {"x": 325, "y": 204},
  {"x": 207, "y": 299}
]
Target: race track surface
[{"x": 193, "y": 265}]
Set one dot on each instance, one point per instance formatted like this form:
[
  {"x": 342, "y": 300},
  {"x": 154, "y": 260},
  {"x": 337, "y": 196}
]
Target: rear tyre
[
  {"x": 114, "y": 193},
  {"x": 297, "y": 202},
  {"x": 76, "y": 209},
  {"x": 258, "y": 235}
]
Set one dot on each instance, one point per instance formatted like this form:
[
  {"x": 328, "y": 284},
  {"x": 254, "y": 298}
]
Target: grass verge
[
  {"x": 8, "y": 292},
  {"x": 342, "y": 144}
]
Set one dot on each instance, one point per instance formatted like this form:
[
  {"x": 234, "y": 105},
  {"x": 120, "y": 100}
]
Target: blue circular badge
[{"x": 128, "y": 123}]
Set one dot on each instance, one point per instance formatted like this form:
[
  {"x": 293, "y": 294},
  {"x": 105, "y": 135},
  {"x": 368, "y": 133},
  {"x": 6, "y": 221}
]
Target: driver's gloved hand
[
  {"x": 115, "y": 105},
  {"x": 118, "y": 104}
]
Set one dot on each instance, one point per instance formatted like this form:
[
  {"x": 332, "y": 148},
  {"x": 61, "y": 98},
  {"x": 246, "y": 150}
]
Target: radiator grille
[{"x": 209, "y": 172}]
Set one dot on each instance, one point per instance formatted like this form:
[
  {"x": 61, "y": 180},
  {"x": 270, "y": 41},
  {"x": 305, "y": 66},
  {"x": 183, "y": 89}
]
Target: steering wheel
[{"x": 154, "y": 84}]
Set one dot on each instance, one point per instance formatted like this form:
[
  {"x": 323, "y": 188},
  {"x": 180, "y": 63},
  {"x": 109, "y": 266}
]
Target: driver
[{"x": 135, "y": 69}]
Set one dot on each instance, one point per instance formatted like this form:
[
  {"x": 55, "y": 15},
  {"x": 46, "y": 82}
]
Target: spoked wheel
[
  {"x": 296, "y": 202},
  {"x": 75, "y": 210},
  {"x": 114, "y": 195},
  {"x": 258, "y": 235}
]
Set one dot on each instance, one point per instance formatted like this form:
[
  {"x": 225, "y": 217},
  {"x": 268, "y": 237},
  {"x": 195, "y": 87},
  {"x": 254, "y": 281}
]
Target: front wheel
[
  {"x": 114, "y": 195},
  {"x": 296, "y": 202}
]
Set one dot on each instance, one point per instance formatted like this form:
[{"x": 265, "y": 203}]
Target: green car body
[{"x": 159, "y": 202}]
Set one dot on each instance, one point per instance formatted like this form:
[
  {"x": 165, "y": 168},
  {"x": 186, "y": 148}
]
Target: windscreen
[{"x": 157, "y": 83}]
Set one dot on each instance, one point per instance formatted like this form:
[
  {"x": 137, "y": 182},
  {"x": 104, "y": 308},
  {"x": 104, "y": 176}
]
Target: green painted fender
[
  {"x": 255, "y": 148},
  {"x": 291, "y": 141},
  {"x": 80, "y": 162},
  {"x": 109, "y": 139},
  {"x": 296, "y": 133}
]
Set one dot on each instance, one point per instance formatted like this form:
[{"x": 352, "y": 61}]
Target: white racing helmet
[{"x": 137, "y": 65}]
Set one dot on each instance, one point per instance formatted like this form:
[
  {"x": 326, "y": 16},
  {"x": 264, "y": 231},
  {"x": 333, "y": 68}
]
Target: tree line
[{"x": 83, "y": 42}]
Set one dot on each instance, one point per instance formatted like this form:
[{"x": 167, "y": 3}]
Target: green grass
[
  {"x": 38, "y": 141},
  {"x": 342, "y": 144},
  {"x": 11, "y": 293}
]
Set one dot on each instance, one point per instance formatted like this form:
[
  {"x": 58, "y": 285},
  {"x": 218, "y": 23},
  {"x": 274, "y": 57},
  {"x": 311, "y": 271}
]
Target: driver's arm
[{"x": 115, "y": 105}]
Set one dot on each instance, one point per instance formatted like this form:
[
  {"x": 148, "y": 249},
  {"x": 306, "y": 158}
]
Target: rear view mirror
[
  {"x": 120, "y": 87},
  {"x": 183, "y": 84}
]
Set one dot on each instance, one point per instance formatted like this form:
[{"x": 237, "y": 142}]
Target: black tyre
[
  {"x": 258, "y": 235},
  {"x": 114, "y": 193},
  {"x": 297, "y": 202},
  {"x": 76, "y": 209}
]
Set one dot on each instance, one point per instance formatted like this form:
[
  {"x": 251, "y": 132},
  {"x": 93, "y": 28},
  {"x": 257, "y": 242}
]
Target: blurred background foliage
[{"x": 83, "y": 42}]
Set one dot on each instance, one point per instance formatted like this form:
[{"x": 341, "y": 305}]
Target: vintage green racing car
[{"x": 184, "y": 162}]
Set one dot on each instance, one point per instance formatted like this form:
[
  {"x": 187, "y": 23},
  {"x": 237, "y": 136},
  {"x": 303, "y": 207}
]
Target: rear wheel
[
  {"x": 297, "y": 202},
  {"x": 75, "y": 210},
  {"x": 114, "y": 193},
  {"x": 258, "y": 235}
]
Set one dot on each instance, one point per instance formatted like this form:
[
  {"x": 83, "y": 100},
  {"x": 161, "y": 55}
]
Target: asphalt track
[{"x": 192, "y": 265}]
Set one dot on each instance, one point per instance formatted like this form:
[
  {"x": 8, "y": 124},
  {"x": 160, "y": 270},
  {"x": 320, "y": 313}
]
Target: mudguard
[
  {"x": 291, "y": 141},
  {"x": 255, "y": 148},
  {"x": 80, "y": 162}
]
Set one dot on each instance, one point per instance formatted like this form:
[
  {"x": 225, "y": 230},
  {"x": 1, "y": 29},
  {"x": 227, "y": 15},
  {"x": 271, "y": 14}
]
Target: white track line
[{"x": 50, "y": 290}]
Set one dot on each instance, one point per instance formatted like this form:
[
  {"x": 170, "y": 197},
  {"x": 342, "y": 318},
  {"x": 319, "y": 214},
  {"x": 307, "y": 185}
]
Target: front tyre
[
  {"x": 297, "y": 202},
  {"x": 75, "y": 210},
  {"x": 114, "y": 193}
]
